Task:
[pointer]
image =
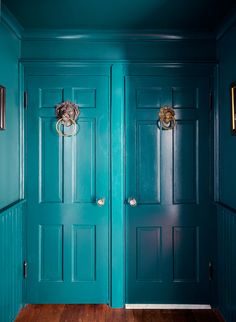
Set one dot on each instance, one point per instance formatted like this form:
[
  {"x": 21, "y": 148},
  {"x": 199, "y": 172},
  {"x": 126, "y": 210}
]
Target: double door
[{"x": 69, "y": 247}]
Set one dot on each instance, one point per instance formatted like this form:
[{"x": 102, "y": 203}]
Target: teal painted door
[
  {"x": 67, "y": 232},
  {"x": 167, "y": 172}
]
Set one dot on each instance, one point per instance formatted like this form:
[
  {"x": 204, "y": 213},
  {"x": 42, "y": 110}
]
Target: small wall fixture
[
  {"x": 67, "y": 114},
  {"x": 233, "y": 107},
  {"x": 167, "y": 118},
  {"x": 2, "y": 108}
]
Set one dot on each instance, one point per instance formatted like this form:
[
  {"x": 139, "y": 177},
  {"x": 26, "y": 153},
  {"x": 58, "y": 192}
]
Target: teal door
[
  {"x": 67, "y": 232},
  {"x": 167, "y": 172}
]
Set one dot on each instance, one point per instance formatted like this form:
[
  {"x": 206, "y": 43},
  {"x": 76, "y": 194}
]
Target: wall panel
[
  {"x": 227, "y": 263},
  {"x": 11, "y": 261}
]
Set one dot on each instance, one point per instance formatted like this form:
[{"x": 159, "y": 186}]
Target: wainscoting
[
  {"x": 11, "y": 261},
  {"x": 227, "y": 263}
]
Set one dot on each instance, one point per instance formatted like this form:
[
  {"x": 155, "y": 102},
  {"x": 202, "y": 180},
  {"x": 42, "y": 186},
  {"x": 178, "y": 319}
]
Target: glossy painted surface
[
  {"x": 67, "y": 233},
  {"x": 10, "y": 138},
  {"x": 72, "y": 49},
  {"x": 168, "y": 174},
  {"x": 227, "y": 263},
  {"x": 11, "y": 264},
  {"x": 227, "y": 141},
  {"x": 37, "y": 46},
  {"x": 117, "y": 249},
  {"x": 119, "y": 14},
  {"x": 227, "y": 185}
]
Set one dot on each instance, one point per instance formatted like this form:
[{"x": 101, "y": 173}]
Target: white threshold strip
[{"x": 168, "y": 306}]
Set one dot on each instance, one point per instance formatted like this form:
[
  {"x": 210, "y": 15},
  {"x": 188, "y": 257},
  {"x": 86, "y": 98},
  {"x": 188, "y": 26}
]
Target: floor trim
[{"x": 169, "y": 306}]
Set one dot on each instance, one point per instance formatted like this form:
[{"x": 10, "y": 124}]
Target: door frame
[
  {"x": 178, "y": 69},
  {"x": 116, "y": 233}
]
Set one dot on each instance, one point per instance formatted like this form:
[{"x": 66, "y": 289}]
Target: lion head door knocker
[
  {"x": 67, "y": 114},
  {"x": 167, "y": 119}
]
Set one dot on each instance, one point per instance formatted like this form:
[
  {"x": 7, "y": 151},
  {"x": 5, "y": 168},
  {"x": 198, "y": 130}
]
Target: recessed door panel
[
  {"x": 148, "y": 162},
  {"x": 85, "y": 162},
  {"x": 148, "y": 97},
  {"x": 51, "y": 188},
  {"x": 185, "y": 254},
  {"x": 85, "y": 97},
  {"x": 148, "y": 262},
  {"x": 84, "y": 246},
  {"x": 184, "y": 97},
  {"x": 167, "y": 172},
  {"x": 51, "y": 254},
  {"x": 67, "y": 232},
  {"x": 185, "y": 156},
  {"x": 49, "y": 97}
]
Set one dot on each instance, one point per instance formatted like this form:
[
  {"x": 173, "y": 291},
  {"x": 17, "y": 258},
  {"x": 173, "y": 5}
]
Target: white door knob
[
  {"x": 132, "y": 202},
  {"x": 101, "y": 202}
]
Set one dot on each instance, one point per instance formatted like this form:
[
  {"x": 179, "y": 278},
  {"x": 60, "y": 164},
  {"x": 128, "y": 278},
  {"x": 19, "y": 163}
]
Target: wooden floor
[{"x": 103, "y": 313}]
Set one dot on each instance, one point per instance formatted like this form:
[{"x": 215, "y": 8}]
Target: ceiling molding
[
  {"x": 113, "y": 35},
  {"x": 145, "y": 35},
  {"x": 11, "y": 22}
]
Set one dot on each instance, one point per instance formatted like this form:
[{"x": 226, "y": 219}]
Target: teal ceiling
[{"x": 120, "y": 14}]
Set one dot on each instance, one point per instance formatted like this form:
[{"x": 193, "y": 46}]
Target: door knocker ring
[
  {"x": 167, "y": 119},
  {"x": 67, "y": 114},
  {"x": 73, "y": 124}
]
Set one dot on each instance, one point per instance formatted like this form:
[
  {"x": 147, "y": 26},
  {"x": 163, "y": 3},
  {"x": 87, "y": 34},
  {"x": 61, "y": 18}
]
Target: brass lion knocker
[
  {"x": 67, "y": 114},
  {"x": 167, "y": 118}
]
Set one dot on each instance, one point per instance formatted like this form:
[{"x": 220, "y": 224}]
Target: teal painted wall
[
  {"x": 227, "y": 180},
  {"x": 227, "y": 74},
  {"x": 11, "y": 217},
  {"x": 10, "y": 138}
]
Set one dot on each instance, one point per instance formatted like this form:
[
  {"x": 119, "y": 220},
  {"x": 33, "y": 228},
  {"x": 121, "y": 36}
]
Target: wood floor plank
[
  {"x": 51, "y": 313},
  {"x": 103, "y": 313},
  {"x": 209, "y": 315},
  {"x": 116, "y": 315},
  {"x": 73, "y": 313},
  {"x": 30, "y": 313}
]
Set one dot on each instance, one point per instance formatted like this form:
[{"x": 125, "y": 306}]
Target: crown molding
[
  {"x": 84, "y": 35},
  {"x": 112, "y": 35},
  {"x": 11, "y": 22}
]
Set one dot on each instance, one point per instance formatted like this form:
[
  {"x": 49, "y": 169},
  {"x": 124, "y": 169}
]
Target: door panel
[
  {"x": 185, "y": 183},
  {"x": 168, "y": 173},
  {"x": 67, "y": 233}
]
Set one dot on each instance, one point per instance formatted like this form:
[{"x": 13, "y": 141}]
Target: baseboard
[{"x": 169, "y": 306}]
